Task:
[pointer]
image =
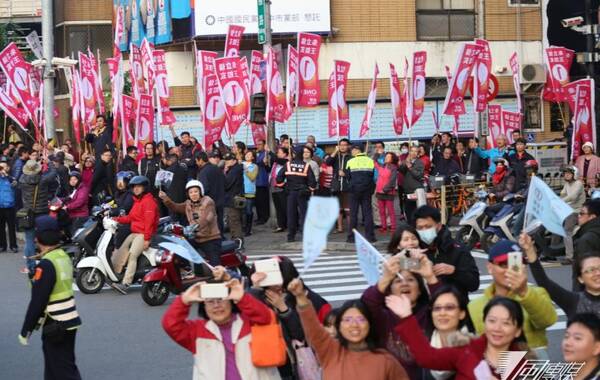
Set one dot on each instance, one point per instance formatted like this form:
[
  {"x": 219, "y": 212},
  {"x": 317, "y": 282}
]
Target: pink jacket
[
  {"x": 386, "y": 178},
  {"x": 593, "y": 169},
  {"x": 77, "y": 207}
]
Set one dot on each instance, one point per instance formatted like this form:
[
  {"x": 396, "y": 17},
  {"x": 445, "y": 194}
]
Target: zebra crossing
[{"x": 338, "y": 278}]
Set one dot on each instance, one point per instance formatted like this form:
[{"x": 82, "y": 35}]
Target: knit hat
[
  {"x": 32, "y": 167},
  {"x": 588, "y": 144},
  {"x": 499, "y": 251}
]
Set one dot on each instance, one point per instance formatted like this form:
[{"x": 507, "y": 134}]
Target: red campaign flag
[
  {"x": 233, "y": 40},
  {"x": 214, "y": 117},
  {"x": 75, "y": 103},
  {"x": 12, "y": 110},
  {"x": 455, "y": 126},
  {"x": 15, "y": 68},
  {"x": 205, "y": 66},
  {"x": 558, "y": 61},
  {"x": 365, "y": 125},
  {"x": 245, "y": 73},
  {"x": 128, "y": 116},
  {"x": 148, "y": 65},
  {"x": 137, "y": 71},
  {"x": 233, "y": 91},
  {"x": 454, "y": 103},
  {"x": 257, "y": 85},
  {"x": 113, "y": 67},
  {"x": 119, "y": 30},
  {"x": 511, "y": 121},
  {"x": 332, "y": 129},
  {"x": 309, "y": 91},
  {"x": 342, "y": 68},
  {"x": 494, "y": 124},
  {"x": 97, "y": 81},
  {"x": 291, "y": 88},
  {"x": 144, "y": 121},
  {"x": 276, "y": 104},
  {"x": 86, "y": 69},
  {"x": 481, "y": 74},
  {"x": 397, "y": 111},
  {"x": 258, "y": 133},
  {"x": 405, "y": 96},
  {"x": 571, "y": 91},
  {"x": 417, "y": 98},
  {"x": 35, "y": 79},
  {"x": 584, "y": 117},
  {"x": 166, "y": 116},
  {"x": 436, "y": 122},
  {"x": 514, "y": 67}
]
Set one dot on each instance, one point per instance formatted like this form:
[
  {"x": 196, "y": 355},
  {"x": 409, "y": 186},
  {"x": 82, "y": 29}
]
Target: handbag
[
  {"x": 308, "y": 366},
  {"x": 26, "y": 216},
  {"x": 239, "y": 202},
  {"x": 267, "y": 344}
]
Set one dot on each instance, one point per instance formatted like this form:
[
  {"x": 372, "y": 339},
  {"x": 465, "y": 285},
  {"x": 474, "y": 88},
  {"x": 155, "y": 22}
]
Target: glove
[{"x": 23, "y": 340}]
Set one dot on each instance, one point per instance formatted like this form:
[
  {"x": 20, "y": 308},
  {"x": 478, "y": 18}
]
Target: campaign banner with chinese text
[
  {"x": 144, "y": 121},
  {"x": 341, "y": 69},
  {"x": 584, "y": 117},
  {"x": 257, "y": 84},
  {"x": 417, "y": 96},
  {"x": 397, "y": 111},
  {"x": 481, "y": 75},
  {"x": 558, "y": 62},
  {"x": 205, "y": 66},
  {"x": 515, "y": 68},
  {"x": 309, "y": 91},
  {"x": 86, "y": 70},
  {"x": 213, "y": 117},
  {"x": 15, "y": 68},
  {"x": 366, "y": 121},
  {"x": 454, "y": 103},
  {"x": 233, "y": 40},
  {"x": 276, "y": 102},
  {"x": 233, "y": 91},
  {"x": 166, "y": 117},
  {"x": 494, "y": 124},
  {"x": 291, "y": 88}
]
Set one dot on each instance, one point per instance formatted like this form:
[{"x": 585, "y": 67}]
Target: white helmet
[{"x": 195, "y": 183}]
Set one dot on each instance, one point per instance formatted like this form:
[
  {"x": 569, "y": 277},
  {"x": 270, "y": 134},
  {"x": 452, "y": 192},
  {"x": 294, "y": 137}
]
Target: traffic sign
[{"x": 262, "y": 30}]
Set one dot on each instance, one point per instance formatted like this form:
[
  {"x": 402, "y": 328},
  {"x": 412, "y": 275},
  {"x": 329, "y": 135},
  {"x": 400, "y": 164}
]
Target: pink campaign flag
[
  {"x": 584, "y": 117},
  {"x": 12, "y": 110},
  {"x": 511, "y": 121},
  {"x": 144, "y": 121},
  {"x": 494, "y": 124},
  {"x": 514, "y": 67},
  {"x": 166, "y": 116},
  {"x": 309, "y": 91},
  {"x": 558, "y": 62},
  {"x": 233, "y": 92},
  {"x": 97, "y": 81},
  {"x": 291, "y": 88},
  {"x": 15, "y": 68},
  {"x": 366, "y": 121},
  {"x": 86, "y": 69},
  {"x": 405, "y": 96},
  {"x": 256, "y": 84},
  {"x": 233, "y": 40},
  {"x": 259, "y": 132},
  {"x": 137, "y": 71},
  {"x": 341, "y": 69},
  {"x": 214, "y": 117},
  {"x": 128, "y": 116},
  {"x": 148, "y": 65},
  {"x": 332, "y": 129},
  {"x": 481, "y": 75},
  {"x": 417, "y": 96},
  {"x": 276, "y": 102},
  {"x": 205, "y": 66},
  {"x": 454, "y": 103},
  {"x": 397, "y": 111}
]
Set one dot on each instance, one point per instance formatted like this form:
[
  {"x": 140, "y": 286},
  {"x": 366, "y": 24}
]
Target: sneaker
[
  {"x": 278, "y": 230},
  {"x": 121, "y": 288}
]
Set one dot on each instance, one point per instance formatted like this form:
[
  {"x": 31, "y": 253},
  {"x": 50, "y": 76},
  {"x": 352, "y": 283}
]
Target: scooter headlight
[{"x": 163, "y": 256}]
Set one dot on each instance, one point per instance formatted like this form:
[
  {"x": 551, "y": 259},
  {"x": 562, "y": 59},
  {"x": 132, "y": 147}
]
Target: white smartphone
[
  {"x": 270, "y": 267},
  {"x": 211, "y": 291},
  {"x": 515, "y": 261}
]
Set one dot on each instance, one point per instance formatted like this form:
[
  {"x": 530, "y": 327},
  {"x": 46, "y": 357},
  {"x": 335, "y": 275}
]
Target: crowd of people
[{"x": 417, "y": 322}]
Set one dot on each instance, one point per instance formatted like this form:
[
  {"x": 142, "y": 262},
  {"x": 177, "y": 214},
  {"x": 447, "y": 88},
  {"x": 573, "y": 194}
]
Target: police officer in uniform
[
  {"x": 52, "y": 304},
  {"x": 360, "y": 171},
  {"x": 299, "y": 181}
]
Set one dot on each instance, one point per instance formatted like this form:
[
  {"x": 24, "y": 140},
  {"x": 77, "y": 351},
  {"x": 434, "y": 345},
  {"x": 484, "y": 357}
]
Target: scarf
[{"x": 498, "y": 176}]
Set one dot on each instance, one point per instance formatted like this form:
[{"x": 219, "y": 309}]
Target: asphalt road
[{"x": 121, "y": 337}]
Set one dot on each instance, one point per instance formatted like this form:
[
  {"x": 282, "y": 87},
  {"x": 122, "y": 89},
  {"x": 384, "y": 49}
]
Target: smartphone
[
  {"x": 409, "y": 263},
  {"x": 515, "y": 261},
  {"x": 208, "y": 291},
  {"x": 270, "y": 267}
]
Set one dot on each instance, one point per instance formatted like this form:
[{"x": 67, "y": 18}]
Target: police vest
[
  {"x": 300, "y": 170},
  {"x": 61, "y": 305}
]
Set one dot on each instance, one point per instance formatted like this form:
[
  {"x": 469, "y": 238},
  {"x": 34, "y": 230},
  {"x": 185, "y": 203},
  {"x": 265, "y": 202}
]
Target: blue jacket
[
  {"x": 263, "y": 171},
  {"x": 319, "y": 152},
  {"x": 17, "y": 168},
  {"x": 249, "y": 184},
  {"x": 7, "y": 192},
  {"x": 492, "y": 154}
]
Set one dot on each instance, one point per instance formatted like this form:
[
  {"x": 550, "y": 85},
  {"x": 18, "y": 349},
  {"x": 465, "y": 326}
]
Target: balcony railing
[{"x": 20, "y": 8}]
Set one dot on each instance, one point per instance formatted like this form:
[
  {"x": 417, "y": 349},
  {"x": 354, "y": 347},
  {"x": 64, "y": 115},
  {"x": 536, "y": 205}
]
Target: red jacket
[
  {"x": 464, "y": 359},
  {"x": 143, "y": 216}
]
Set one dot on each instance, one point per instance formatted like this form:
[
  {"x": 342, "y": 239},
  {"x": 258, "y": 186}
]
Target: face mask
[
  {"x": 428, "y": 235},
  {"x": 500, "y": 169},
  {"x": 404, "y": 151}
]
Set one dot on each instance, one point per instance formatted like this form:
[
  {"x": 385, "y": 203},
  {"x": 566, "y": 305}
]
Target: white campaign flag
[
  {"x": 543, "y": 205},
  {"x": 369, "y": 258},
  {"x": 320, "y": 218}
]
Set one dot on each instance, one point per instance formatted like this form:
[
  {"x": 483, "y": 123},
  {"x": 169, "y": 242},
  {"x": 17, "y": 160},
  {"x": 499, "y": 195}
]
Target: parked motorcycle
[
  {"x": 474, "y": 221},
  {"x": 501, "y": 224}
]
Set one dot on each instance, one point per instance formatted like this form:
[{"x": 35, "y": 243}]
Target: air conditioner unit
[{"x": 533, "y": 73}]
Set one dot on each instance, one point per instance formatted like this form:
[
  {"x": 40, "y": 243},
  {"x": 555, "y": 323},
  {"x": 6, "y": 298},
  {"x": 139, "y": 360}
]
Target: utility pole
[
  {"x": 49, "y": 74},
  {"x": 264, "y": 7},
  {"x": 590, "y": 37}
]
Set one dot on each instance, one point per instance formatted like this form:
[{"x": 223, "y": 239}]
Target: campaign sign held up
[{"x": 545, "y": 206}]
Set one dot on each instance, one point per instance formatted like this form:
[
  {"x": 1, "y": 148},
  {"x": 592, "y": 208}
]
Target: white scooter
[
  {"x": 94, "y": 271},
  {"x": 474, "y": 222}
]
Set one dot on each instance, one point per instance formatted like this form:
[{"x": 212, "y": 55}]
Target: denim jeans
[{"x": 30, "y": 248}]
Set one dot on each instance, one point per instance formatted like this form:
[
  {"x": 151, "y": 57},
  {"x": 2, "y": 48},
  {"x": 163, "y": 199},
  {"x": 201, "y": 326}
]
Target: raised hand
[
  {"x": 192, "y": 294},
  {"x": 257, "y": 278},
  {"x": 399, "y": 305},
  {"x": 236, "y": 290}
]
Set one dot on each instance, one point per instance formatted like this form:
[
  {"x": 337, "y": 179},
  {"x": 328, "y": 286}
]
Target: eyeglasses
[
  {"x": 591, "y": 270},
  {"x": 214, "y": 301},
  {"x": 446, "y": 308},
  {"x": 360, "y": 320}
]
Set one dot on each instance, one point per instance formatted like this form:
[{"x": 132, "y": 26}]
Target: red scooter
[{"x": 175, "y": 272}]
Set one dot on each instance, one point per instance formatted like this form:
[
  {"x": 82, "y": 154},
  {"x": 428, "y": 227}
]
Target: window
[
  {"x": 533, "y": 113},
  {"x": 523, "y": 3},
  {"x": 445, "y": 20}
]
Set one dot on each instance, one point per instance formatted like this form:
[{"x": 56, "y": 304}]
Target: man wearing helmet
[
  {"x": 124, "y": 201},
  {"x": 518, "y": 161},
  {"x": 143, "y": 219},
  {"x": 200, "y": 210}
]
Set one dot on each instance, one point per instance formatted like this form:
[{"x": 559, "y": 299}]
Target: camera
[
  {"x": 572, "y": 21},
  {"x": 409, "y": 263}
]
